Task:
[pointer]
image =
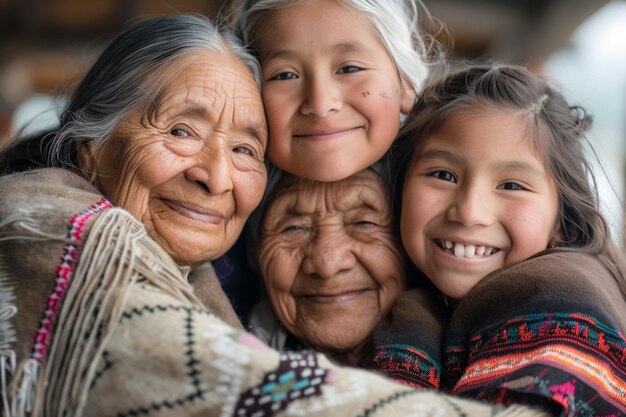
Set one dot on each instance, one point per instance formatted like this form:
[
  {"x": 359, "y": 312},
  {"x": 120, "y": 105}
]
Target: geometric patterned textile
[
  {"x": 131, "y": 338},
  {"x": 568, "y": 361},
  {"x": 168, "y": 359},
  {"x": 298, "y": 376},
  {"x": 407, "y": 364}
]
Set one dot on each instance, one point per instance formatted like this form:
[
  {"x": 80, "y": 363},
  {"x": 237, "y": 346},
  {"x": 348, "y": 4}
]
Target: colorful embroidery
[
  {"x": 298, "y": 376},
  {"x": 63, "y": 276},
  {"x": 571, "y": 359},
  {"x": 408, "y": 365}
]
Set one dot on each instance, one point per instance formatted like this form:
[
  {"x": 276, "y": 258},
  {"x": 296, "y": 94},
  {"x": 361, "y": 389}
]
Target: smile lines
[
  {"x": 325, "y": 134},
  {"x": 194, "y": 212}
]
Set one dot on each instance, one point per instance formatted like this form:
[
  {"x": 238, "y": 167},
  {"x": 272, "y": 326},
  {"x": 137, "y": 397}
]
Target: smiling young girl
[
  {"x": 498, "y": 212},
  {"x": 337, "y": 75}
]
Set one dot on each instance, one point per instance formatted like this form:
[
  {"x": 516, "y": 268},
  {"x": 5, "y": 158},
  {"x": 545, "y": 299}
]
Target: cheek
[
  {"x": 419, "y": 206},
  {"x": 159, "y": 168},
  {"x": 142, "y": 180},
  {"x": 387, "y": 270},
  {"x": 387, "y": 112},
  {"x": 531, "y": 228},
  {"x": 411, "y": 214},
  {"x": 129, "y": 168},
  {"x": 276, "y": 111},
  {"x": 279, "y": 265},
  {"x": 248, "y": 189}
]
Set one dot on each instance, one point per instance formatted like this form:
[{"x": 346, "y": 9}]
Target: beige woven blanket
[{"x": 97, "y": 320}]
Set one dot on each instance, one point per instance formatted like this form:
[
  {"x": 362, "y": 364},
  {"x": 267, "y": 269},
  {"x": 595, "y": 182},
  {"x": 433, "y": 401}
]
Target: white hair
[{"x": 395, "y": 21}]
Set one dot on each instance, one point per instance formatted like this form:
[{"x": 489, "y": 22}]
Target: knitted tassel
[
  {"x": 26, "y": 395},
  {"x": 112, "y": 260},
  {"x": 103, "y": 275}
]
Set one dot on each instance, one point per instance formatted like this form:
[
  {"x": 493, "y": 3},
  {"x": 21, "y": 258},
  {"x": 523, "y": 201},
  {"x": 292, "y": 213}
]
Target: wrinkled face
[
  {"x": 331, "y": 91},
  {"x": 476, "y": 197},
  {"x": 191, "y": 171},
  {"x": 331, "y": 263}
]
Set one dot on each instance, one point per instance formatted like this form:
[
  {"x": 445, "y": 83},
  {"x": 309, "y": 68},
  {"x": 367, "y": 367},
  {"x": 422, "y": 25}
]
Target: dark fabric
[
  {"x": 240, "y": 282},
  {"x": 407, "y": 345},
  {"x": 547, "y": 332}
]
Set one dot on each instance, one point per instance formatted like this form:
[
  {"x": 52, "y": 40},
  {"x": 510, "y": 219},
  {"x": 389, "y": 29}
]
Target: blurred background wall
[{"x": 46, "y": 45}]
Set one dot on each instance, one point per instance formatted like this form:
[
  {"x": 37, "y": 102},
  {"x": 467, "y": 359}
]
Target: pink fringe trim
[{"x": 64, "y": 275}]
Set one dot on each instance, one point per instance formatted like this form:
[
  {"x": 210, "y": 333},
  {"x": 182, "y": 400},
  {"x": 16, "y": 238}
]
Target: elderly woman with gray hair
[{"x": 108, "y": 302}]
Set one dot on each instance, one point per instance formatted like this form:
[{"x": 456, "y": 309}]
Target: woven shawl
[{"x": 97, "y": 320}]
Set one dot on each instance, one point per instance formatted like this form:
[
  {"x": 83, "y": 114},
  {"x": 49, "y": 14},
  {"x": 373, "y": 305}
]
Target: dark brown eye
[
  {"x": 244, "y": 150},
  {"x": 179, "y": 131},
  {"x": 349, "y": 69},
  {"x": 444, "y": 175},
  {"x": 287, "y": 75},
  {"x": 512, "y": 186}
]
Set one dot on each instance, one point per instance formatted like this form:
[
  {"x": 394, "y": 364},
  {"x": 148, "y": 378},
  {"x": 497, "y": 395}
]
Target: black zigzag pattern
[
  {"x": 192, "y": 363},
  {"x": 371, "y": 410},
  {"x": 151, "y": 309}
]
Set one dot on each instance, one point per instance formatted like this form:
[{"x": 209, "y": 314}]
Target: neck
[{"x": 356, "y": 356}]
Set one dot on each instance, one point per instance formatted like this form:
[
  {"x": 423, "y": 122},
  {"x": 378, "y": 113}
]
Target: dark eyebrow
[
  {"x": 278, "y": 53},
  {"x": 518, "y": 166},
  {"x": 440, "y": 154}
]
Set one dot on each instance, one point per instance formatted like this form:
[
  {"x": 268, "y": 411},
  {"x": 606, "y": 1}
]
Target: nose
[
  {"x": 321, "y": 97},
  {"x": 213, "y": 170},
  {"x": 328, "y": 254},
  {"x": 471, "y": 208}
]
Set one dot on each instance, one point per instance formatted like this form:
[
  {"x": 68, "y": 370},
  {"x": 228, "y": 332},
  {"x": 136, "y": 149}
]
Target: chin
[
  {"x": 196, "y": 258},
  {"x": 337, "y": 344}
]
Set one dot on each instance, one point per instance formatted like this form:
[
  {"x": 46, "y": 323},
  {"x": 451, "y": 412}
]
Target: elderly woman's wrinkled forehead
[
  {"x": 228, "y": 85},
  {"x": 365, "y": 188}
]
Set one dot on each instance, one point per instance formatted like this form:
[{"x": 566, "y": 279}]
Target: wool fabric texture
[
  {"x": 97, "y": 320},
  {"x": 547, "y": 332}
]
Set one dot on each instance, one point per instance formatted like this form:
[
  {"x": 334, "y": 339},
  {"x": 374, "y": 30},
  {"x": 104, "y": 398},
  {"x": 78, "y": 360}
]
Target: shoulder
[
  {"x": 44, "y": 179},
  {"x": 557, "y": 273},
  {"x": 569, "y": 281},
  {"x": 533, "y": 332},
  {"x": 43, "y": 192}
]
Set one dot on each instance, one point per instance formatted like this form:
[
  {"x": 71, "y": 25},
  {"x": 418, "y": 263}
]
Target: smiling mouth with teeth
[{"x": 465, "y": 251}]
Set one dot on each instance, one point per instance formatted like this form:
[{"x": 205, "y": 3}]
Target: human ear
[
  {"x": 86, "y": 160},
  {"x": 407, "y": 101}
]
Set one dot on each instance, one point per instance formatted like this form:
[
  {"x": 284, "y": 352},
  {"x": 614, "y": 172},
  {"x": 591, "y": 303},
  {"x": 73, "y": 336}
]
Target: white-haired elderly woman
[{"x": 158, "y": 161}]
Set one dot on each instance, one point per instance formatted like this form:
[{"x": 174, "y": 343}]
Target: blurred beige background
[{"x": 46, "y": 45}]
